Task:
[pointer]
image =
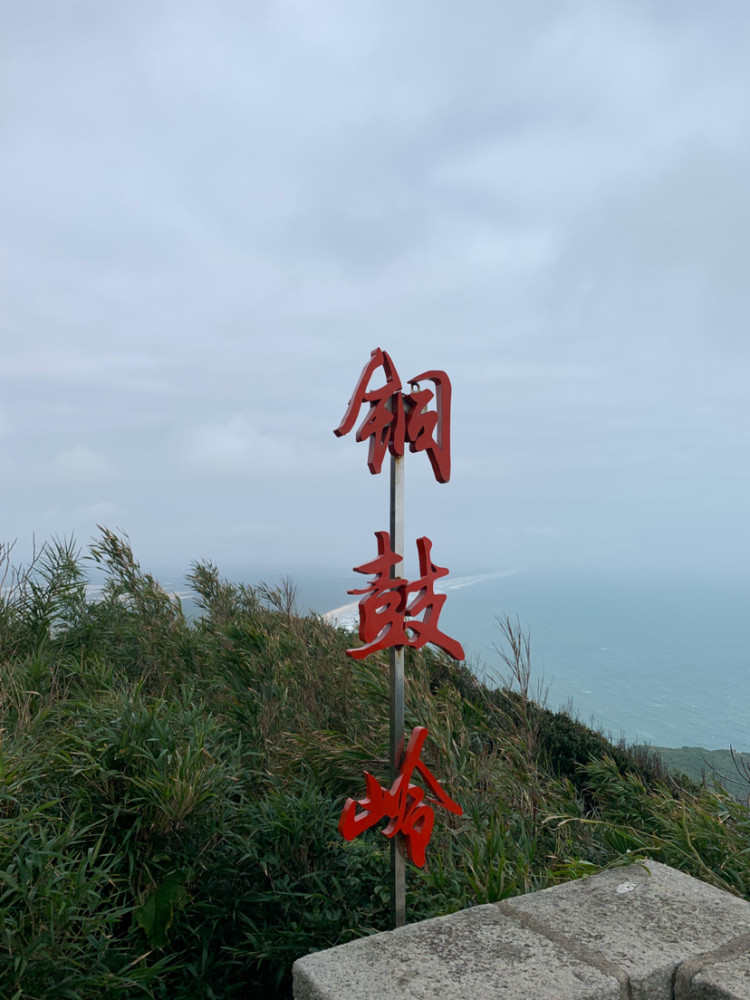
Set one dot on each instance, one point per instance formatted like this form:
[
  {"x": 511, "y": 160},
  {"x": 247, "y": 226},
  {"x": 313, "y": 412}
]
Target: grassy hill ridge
[{"x": 170, "y": 788}]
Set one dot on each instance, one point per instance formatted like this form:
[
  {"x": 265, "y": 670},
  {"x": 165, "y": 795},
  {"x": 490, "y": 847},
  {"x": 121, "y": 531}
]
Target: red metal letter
[
  {"x": 384, "y": 421},
  {"x": 381, "y": 610},
  {"x": 404, "y": 803},
  {"x": 430, "y": 604},
  {"x": 385, "y": 617},
  {"x": 421, "y": 423}
]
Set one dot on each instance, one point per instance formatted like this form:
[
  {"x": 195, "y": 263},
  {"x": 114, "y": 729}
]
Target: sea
[{"x": 655, "y": 659}]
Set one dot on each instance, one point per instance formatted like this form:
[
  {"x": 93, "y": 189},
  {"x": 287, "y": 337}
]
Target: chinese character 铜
[{"x": 395, "y": 417}]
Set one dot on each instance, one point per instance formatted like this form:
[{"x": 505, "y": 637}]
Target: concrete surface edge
[
  {"x": 583, "y": 954},
  {"x": 738, "y": 947},
  {"x": 642, "y": 932},
  {"x": 646, "y": 919}
]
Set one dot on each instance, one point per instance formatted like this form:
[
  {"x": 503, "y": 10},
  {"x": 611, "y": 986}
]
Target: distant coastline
[{"x": 716, "y": 767}]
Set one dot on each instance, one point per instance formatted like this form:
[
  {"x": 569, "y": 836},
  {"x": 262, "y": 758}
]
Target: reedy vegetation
[{"x": 170, "y": 789}]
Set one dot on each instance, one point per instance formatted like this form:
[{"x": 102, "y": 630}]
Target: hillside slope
[{"x": 170, "y": 789}]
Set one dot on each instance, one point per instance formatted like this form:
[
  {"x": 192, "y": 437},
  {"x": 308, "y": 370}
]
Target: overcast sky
[{"x": 211, "y": 213}]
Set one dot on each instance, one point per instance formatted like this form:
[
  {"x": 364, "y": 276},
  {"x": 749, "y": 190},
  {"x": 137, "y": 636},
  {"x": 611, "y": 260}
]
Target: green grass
[{"x": 170, "y": 788}]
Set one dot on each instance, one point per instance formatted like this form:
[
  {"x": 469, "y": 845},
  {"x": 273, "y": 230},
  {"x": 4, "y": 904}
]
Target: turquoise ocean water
[
  {"x": 659, "y": 660},
  {"x": 664, "y": 661}
]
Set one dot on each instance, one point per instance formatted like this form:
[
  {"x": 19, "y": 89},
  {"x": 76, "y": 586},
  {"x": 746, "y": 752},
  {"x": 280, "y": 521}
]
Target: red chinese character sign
[
  {"x": 395, "y": 612},
  {"x": 395, "y": 417},
  {"x": 386, "y": 615},
  {"x": 404, "y": 804}
]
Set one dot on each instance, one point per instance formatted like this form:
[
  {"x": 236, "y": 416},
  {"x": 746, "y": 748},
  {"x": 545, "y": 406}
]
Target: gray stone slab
[
  {"x": 724, "y": 981},
  {"x": 478, "y": 954},
  {"x": 644, "y": 922},
  {"x": 724, "y": 973}
]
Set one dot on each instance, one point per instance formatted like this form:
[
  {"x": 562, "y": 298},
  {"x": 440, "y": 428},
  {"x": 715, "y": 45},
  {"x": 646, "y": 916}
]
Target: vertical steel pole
[{"x": 398, "y": 859}]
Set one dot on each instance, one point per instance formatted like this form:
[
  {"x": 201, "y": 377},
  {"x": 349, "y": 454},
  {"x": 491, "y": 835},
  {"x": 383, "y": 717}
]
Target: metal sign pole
[
  {"x": 394, "y": 419},
  {"x": 398, "y": 859}
]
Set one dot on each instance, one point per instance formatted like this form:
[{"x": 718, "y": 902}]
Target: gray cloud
[{"x": 213, "y": 212}]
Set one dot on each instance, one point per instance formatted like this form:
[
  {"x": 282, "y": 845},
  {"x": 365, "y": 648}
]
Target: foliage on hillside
[
  {"x": 727, "y": 769},
  {"x": 170, "y": 789}
]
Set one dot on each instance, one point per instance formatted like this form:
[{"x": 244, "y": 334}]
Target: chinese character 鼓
[
  {"x": 386, "y": 615},
  {"x": 404, "y": 804},
  {"x": 395, "y": 417}
]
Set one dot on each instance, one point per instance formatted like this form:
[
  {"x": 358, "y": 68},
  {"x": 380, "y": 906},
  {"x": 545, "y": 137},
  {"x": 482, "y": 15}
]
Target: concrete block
[
  {"x": 724, "y": 981},
  {"x": 645, "y": 922},
  {"x": 478, "y": 954},
  {"x": 723, "y": 974}
]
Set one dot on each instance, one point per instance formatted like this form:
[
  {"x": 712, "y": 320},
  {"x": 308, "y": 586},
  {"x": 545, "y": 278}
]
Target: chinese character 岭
[{"x": 404, "y": 804}]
